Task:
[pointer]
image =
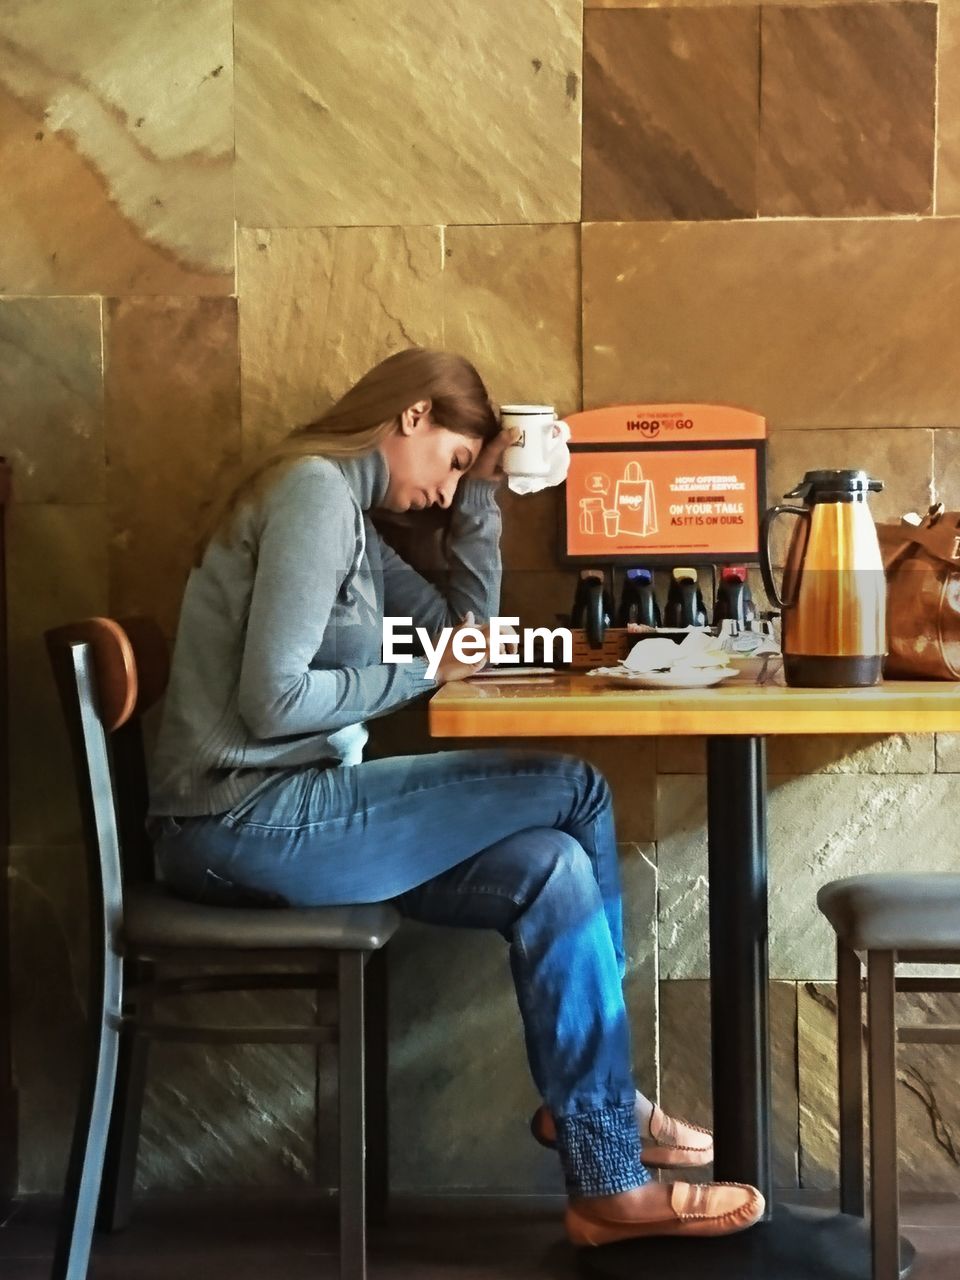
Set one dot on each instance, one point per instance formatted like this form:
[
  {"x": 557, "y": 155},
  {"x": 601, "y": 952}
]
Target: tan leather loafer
[
  {"x": 694, "y": 1209},
  {"x": 673, "y": 1144}
]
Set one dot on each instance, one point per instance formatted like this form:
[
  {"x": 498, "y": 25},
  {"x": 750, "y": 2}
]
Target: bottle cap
[
  {"x": 639, "y": 575},
  {"x": 684, "y": 575},
  {"x": 734, "y": 573}
]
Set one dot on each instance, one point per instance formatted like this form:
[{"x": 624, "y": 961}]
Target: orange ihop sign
[{"x": 665, "y": 483}]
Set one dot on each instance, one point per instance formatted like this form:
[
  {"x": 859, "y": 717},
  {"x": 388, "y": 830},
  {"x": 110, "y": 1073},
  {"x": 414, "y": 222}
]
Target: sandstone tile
[
  {"x": 236, "y": 1115},
  {"x": 51, "y": 398},
  {"x": 948, "y": 111},
  {"x": 510, "y": 304},
  {"x": 321, "y": 306},
  {"x": 48, "y": 973},
  {"x": 928, "y": 1128},
  {"x": 847, "y": 110},
  {"x": 470, "y": 119},
  {"x": 685, "y": 1088},
  {"x": 536, "y": 598},
  {"x": 118, "y": 148},
  {"x": 946, "y": 469},
  {"x": 670, "y": 124},
  {"x": 681, "y": 755},
  {"x": 531, "y": 534},
  {"x": 948, "y": 752},
  {"x": 173, "y": 431},
  {"x": 57, "y": 572},
  {"x": 813, "y": 323},
  {"x": 855, "y": 753},
  {"x": 903, "y": 460},
  {"x": 670, "y": 4},
  {"x": 456, "y": 1036},
  {"x": 821, "y": 827}
]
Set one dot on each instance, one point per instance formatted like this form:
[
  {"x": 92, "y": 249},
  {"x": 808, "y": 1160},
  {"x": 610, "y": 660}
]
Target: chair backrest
[{"x": 108, "y": 674}]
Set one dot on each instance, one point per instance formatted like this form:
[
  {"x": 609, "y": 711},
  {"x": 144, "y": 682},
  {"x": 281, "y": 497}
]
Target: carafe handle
[{"x": 766, "y": 568}]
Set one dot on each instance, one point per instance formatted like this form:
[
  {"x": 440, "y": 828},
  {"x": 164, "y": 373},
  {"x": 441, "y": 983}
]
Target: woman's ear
[{"x": 410, "y": 418}]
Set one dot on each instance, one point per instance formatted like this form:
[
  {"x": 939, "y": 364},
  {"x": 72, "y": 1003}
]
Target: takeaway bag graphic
[{"x": 635, "y": 503}]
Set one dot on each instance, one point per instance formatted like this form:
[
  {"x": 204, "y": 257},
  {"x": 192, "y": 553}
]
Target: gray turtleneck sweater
[{"x": 277, "y": 660}]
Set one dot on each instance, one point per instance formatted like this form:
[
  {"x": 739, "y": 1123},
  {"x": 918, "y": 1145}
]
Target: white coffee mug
[{"x": 530, "y": 456}]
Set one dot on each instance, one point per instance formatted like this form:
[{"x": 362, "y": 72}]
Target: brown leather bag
[{"x": 922, "y": 565}]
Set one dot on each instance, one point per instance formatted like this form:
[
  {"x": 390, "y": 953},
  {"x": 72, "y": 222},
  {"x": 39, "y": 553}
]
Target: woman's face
[{"x": 425, "y": 461}]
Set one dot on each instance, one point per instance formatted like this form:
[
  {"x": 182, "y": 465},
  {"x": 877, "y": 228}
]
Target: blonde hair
[{"x": 361, "y": 419}]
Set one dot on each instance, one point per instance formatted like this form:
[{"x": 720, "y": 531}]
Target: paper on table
[{"x": 696, "y": 650}]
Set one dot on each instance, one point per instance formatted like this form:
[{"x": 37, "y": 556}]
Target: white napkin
[
  {"x": 697, "y": 649},
  {"x": 558, "y": 459}
]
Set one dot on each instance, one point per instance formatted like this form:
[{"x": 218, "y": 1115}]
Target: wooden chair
[
  {"x": 892, "y": 919},
  {"x": 107, "y": 675}
]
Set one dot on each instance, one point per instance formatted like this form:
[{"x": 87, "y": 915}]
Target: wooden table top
[{"x": 587, "y": 706}]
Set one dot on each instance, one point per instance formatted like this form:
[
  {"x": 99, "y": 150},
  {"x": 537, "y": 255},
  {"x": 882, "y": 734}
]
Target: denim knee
[
  {"x": 563, "y": 876},
  {"x": 594, "y": 785}
]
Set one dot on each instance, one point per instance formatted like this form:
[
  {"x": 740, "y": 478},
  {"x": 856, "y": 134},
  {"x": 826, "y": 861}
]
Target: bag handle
[
  {"x": 633, "y": 471},
  {"x": 941, "y": 540}
]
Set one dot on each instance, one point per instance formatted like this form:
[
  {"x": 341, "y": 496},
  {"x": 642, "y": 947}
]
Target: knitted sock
[{"x": 600, "y": 1151}]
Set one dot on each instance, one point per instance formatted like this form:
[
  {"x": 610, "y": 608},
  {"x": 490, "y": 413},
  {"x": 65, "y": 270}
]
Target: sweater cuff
[
  {"x": 475, "y": 494},
  {"x": 416, "y": 671}
]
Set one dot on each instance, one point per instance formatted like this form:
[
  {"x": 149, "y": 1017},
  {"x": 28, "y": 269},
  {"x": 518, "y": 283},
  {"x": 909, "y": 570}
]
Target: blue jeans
[{"x": 518, "y": 841}]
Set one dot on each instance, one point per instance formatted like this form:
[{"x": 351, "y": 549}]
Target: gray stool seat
[
  {"x": 888, "y": 919},
  {"x": 154, "y": 919},
  {"x": 894, "y": 912}
]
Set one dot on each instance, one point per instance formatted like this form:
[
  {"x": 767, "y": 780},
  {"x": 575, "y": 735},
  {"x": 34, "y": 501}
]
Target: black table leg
[
  {"x": 790, "y": 1243},
  {"x": 739, "y": 1000}
]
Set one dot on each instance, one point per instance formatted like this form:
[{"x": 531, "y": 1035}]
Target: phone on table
[{"x": 512, "y": 671}]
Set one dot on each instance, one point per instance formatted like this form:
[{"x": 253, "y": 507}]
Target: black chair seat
[
  {"x": 155, "y": 919},
  {"x": 894, "y": 912}
]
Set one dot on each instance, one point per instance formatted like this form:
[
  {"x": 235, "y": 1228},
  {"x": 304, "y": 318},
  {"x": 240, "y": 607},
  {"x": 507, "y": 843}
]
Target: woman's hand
[
  {"x": 489, "y": 463},
  {"x": 451, "y": 668}
]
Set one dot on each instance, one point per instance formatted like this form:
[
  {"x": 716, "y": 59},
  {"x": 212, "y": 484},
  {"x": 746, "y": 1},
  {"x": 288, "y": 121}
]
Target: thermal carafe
[{"x": 833, "y": 596}]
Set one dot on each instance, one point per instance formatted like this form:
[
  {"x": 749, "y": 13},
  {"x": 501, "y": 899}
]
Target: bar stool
[
  {"x": 893, "y": 919},
  {"x": 108, "y": 674}
]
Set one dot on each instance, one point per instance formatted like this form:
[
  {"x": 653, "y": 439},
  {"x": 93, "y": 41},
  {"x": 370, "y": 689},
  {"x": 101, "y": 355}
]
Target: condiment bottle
[
  {"x": 734, "y": 599},
  {"x": 638, "y": 603},
  {"x": 685, "y": 606}
]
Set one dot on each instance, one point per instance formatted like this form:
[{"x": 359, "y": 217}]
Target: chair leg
[
  {"x": 123, "y": 1138},
  {"x": 850, "y": 1072},
  {"x": 376, "y": 1010},
  {"x": 85, "y": 1167},
  {"x": 882, "y": 1053},
  {"x": 353, "y": 1243}
]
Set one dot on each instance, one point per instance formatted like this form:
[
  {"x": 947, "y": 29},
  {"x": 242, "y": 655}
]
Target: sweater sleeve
[
  {"x": 307, "y": 545},
  {"x": 475, "y": 568}
]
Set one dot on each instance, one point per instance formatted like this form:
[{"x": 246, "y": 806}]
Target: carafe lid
[{"x": 835, "y": 486}]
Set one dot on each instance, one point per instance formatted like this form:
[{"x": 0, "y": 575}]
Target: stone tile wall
[{"x": 215, "y": 215}]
